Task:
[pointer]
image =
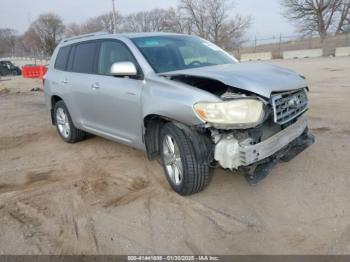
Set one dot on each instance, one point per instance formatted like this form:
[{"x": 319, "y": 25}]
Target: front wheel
[{"x": 184, "y": 172}]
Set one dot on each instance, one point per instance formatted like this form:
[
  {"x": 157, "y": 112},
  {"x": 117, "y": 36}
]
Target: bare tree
[
  {"x": 107, "y": 21},
  {"x": 177, "y": 22},
  {"x": 32, "y": 42},
  {"x": 206, "y": 18},
  {"x": 157, "y": 20},
  {"x": 21, "y": 48},
  {"x": 44, "y": 33},
  {"x": 344, "y": 17},
  {"x": 231, "y": 35},
  {"x": 92, "y": 25},
  {"x": 217, "y": 15},
  {"x": 73, "y": 29},
  {"x": 318, "y": 16},
  {"x": 103, "y": 23},
  {"x": 7, "y": 41},
  {"x": 210, "y": 20},
  {"x": 146, "y": 21},
  {"x": 195, "y": 12}
]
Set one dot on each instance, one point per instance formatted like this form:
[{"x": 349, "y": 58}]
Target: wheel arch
[
  {"x": 195, "y": 150},
  {"x": 54, "y": 100},
  {"x": 152, "y": 125}
]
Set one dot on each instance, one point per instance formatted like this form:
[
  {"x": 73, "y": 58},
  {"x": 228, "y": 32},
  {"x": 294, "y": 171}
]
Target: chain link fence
[
  {"x": 21, "y": 61},
  {"x": 278, "y": 44}
]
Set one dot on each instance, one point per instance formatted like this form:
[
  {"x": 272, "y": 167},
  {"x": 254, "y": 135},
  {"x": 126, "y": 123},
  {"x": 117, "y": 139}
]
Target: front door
[{"x": 117, "y": 100}]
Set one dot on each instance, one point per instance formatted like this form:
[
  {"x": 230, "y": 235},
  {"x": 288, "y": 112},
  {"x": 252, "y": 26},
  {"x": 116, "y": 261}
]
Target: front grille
[{"x": 287, "y": 106}]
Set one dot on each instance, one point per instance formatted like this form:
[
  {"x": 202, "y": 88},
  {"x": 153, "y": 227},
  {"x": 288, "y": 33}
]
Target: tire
[
  {"x": 64, "y": 125},
  {"x": 191, "y": 176}
]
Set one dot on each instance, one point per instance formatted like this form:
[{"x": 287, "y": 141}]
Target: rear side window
[
  {"x": 62, "y": 58},
  {"x": 84, "y": 57},
  {"x": 71, "y": 59}
]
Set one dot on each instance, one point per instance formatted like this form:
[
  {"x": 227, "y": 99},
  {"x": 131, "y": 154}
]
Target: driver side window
[
  {"x": 112, "y": 52},
  {"x": 190, "y": 54},
  {"x": 194, "y": 54}
]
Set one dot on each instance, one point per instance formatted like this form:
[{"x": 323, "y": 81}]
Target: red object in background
[{"x": 34, "y": 71}]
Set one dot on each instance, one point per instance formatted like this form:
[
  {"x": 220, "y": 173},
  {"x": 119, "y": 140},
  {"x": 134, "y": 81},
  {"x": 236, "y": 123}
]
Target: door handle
[
  {"x": 95, "y": 86},
  {"x": 65, "y": 81}
]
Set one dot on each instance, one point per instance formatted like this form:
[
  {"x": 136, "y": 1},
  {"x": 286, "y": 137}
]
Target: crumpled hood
[{"x": 262, "y": 79}]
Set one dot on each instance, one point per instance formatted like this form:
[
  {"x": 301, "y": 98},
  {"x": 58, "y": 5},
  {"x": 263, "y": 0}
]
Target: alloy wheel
[
  {"x": 172, "y": 160},
  {"x": 62, "y": 122}
]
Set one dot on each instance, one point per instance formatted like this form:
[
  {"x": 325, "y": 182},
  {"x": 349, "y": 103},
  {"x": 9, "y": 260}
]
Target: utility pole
[
  {"x": 114, "y": 18},
  {"x": 255, "y": 43}
]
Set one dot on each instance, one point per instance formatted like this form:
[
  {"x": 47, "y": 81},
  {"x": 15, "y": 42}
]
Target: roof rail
[{"x": 83, "y": 36}]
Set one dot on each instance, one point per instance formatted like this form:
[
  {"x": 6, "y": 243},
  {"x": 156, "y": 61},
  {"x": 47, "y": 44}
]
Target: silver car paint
[
  {"x": 117, "y": 107},
  {"x": 259, "y": 78}
]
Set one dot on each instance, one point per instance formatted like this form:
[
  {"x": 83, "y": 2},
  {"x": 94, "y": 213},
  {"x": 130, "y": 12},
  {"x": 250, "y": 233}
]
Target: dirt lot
[{"x": 102, "y": 197}]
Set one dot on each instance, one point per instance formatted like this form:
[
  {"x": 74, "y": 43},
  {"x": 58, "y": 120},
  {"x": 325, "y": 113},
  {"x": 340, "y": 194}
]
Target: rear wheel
[
  {"x": 183, "y": 170},
  {"x": 64, "y": 124}
]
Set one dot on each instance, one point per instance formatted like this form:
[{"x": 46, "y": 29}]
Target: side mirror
[{"x": 123, "y": 69}]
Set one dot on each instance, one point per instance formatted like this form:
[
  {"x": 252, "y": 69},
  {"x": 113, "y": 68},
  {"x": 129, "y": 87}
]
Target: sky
[{"x": 266, "y": 14}]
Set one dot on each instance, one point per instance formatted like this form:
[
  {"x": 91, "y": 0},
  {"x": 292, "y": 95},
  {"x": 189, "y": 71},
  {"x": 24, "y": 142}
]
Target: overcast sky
[{"x": 266, "y": 14}]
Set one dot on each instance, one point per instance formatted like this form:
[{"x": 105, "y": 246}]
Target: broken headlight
[{"x": 240, "y": 113}]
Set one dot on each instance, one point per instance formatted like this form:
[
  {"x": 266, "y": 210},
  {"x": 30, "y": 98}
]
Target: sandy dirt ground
[{"x": 101, "y": 197}]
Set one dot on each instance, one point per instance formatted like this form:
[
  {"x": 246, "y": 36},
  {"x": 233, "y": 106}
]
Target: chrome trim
[{"x": 274, "y": 98}]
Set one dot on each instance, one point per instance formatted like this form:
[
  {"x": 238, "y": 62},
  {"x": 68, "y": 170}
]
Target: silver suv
[{"x": 181, "y": 99}]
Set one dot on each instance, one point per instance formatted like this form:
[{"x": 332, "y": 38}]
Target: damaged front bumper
[{"x": 256, "y": 160}]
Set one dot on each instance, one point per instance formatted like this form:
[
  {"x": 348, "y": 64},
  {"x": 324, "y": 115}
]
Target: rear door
[
  {"x": 116, "y": 103},
  {"x": 81, "y": 67},
  {"x": 55, "y": 77}
]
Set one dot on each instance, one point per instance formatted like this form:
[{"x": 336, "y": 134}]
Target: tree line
[{"x": 209, "y": 19}]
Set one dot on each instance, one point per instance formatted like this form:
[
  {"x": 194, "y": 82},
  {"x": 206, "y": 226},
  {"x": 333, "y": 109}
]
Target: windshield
[{"x": 170, "y": 53}]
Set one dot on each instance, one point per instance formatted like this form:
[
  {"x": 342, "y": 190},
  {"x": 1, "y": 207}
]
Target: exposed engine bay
[{"x": 212, "y": 86}]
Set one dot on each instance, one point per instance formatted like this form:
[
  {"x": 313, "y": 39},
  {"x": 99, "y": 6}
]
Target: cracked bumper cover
[{"x": 284, "y": 145}]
